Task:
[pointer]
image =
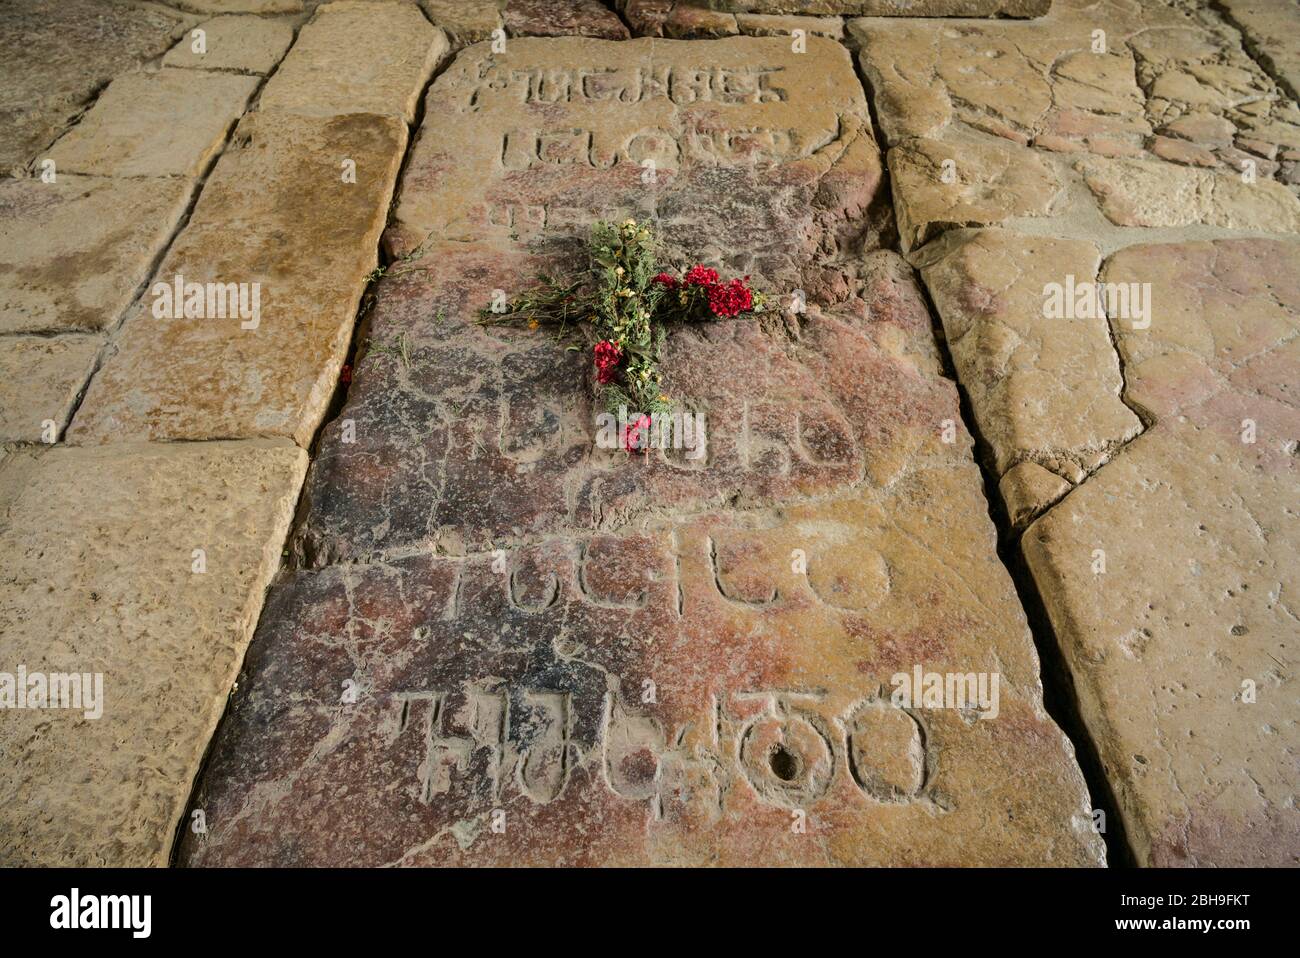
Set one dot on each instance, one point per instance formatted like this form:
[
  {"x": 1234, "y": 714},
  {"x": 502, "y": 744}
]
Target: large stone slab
[
  {"x": 169, "y": 123},
  {"x": 74, "y": 253},
  {"x": 241, "y": 44},
  {"x": 522, "y": 689},
  {"x": 1044, "y": 389},
  {"x": 40, "y": 379},
  {"x": 676, "y": 659},
  {"x": 99, "y": 548},
  {"x": 465, "y": 21},
  {"x": 308, "y": 237},
  {"x": 57, "y": 54},
  {"x": 745, "y": 152},
  {"x": 1188, "y": 687},
  {"x": 358, "y": 58}
]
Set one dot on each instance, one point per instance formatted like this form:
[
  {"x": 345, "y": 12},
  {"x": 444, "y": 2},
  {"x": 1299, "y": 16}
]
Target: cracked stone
[
  {"x": 310, "y": 250},
  {"x": 74, "y": 252},
  {"x": 892, "y": 8},
  {"x": 1134, "y": 192},
  {"x": 240, "y": 44},
  {"x": 465, "y": 21},
  {"x": 1269, "y": 32},
  {"x": 169, "y": 123},
  {"x": 57, "y": 54},
  {"x": 546, "y": 18},
  {"x": 40, "y": 379},
  {"x": 989, "y": 184},
  {"x": 358, "y": 57},
  {"x": 1043, "y": 388},
  {"x": 111, "y": 590}
]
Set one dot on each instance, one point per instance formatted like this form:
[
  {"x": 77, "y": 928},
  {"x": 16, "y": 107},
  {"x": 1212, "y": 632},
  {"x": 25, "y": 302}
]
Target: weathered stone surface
[
  {"x": 749, "y": 154},
  {"x": 57, "y": 53},
  {"x": 1027, "y": 489},
  {"x": 1269, "y": 30},
  {"x": 358, "y": 58},
  {"x": 242, "y": 6},
  {"x": 465, "y": 21},
  {"x": 99, "y": 551},
  {"x": 537, "y": 667},
  {"x": 892, "y": 8},
  {"x": 547, "y": 18},
  {"x": 73, "y": 253},
  {"x": 40, "y": 379},
  {"x": 1134, "y": 192},
  {"x": 939, "y": 185},
  {"x": 169, "y": 123},
  {"x": 764, "y": 25},
  {"x": 307, "y": 237},
  {"x": 1045, "y": 389},
  {"x": 688, "y": 22},
  {"x": 1197, "y": 529},
  {"x": 242, "y": 44}
]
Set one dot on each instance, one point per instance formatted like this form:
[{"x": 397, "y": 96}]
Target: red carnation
[
  {"x": 666, "y": 279},
  {"x": 636, "y": 435},
  {"x": 730, "y": 299},
  {"x": 700, "y": 276},
  {"x": 608, "y": 356}
]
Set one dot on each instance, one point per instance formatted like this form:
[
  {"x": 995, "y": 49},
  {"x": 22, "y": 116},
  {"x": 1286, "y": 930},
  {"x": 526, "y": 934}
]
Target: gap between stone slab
[
  {"x": 1059, "y": 697},
  {"x": 1251, "y": 48}
]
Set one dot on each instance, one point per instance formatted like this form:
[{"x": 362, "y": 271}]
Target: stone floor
[{"x": 362, "y": 590}]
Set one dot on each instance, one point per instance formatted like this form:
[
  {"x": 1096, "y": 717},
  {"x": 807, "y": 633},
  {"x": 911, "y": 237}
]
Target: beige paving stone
[
  {"x": 940, "y": 184},
  {"x": 238, "y": 43},
  {"x": 1133, "y": 192},
  {"x": 1200, "y": 542},
  {"x": 57, "y": 54},
  {"x": 1027, "y": 489},
  {"x": 73, "y": 253},
  {"x": 99, "y": 549},
  {"x": 309, "y": 239},
  {"x": 465, "y": 21},
  {"x": 688, "y": 22},
  {"x": 1045, "y": 389},
  {"x": 358, "y": 58},
  {"x": 1269, "y": 30},
  {"x": 40, "y": 379},
  {"x": 169, "y": 123},
  {"x": 765, "y": 25}
]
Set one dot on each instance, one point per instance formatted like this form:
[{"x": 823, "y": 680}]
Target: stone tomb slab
[
  {"x": 746, "y": 154},
  {"x": 675, "y": 695}
]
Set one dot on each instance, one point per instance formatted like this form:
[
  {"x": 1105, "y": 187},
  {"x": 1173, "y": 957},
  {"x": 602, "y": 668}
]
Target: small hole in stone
[{"x": 784, "y": 765}]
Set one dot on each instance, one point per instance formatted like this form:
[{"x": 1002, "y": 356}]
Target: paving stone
[
  {"x": 465, "y": 21},
  {"x": 1134, "y": 192},
  {"x": 547, "y": 18},
  {"x": 358, "y": 58},
  {"x": 1199, "y": 542},
  {"x": 940, "y": 184},
  {"x": 73, "y": 253},
  {"x": 764, "y": 25},
  {"x": 241, "y": 44},
  {"x": 307, "y": 237},
  {"x": 99, "y": 552},
  {"x": 892, "y": 8},
  {"x": 1268, "y": 29},
  {"x": 169, "y": 123},
  {"x": 57, "y": 54},
  {"x": 1043, "y": 388},
  {"x": 492, "y": 164},
  {"x": 40, "y": 379}
]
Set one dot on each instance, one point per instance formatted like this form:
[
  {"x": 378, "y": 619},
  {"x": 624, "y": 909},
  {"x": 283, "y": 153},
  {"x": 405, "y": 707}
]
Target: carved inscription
[
  {"x": 633, "y": 84},
  {"x": 780, "y": 743}
]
